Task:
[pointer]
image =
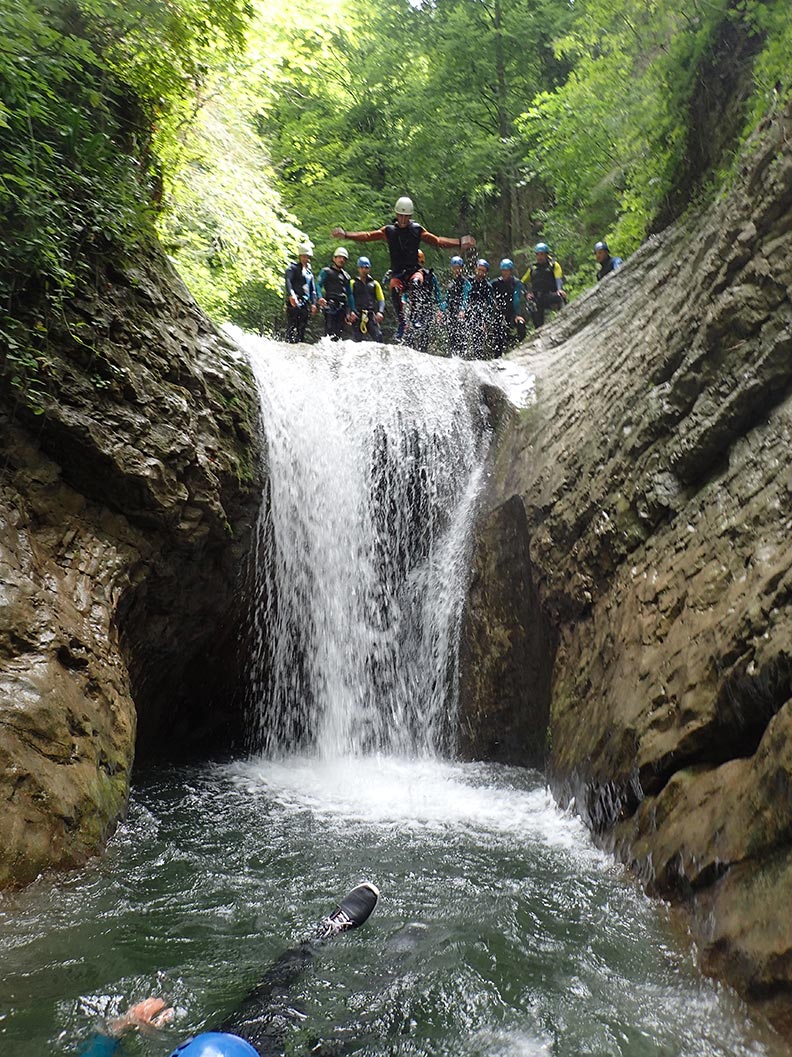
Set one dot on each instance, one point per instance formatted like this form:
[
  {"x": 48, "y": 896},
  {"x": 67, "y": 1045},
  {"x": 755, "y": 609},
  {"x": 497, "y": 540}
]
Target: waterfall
[{"x": 375, "y": 458}]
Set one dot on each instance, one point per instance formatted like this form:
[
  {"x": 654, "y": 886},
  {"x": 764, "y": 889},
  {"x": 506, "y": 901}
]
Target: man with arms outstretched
[{"x": 404, "y": 237}]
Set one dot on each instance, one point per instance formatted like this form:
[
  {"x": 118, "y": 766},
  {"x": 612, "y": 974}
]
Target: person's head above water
[{"x": 215, "y": 1044}]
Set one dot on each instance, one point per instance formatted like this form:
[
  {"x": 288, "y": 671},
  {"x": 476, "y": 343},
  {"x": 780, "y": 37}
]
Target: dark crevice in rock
[
  {"x": 721, "y": 89},
  {"x": 733, "y": 412},
  {"x": 745, "y": 705},
  {"x": 507, "y": 647}
]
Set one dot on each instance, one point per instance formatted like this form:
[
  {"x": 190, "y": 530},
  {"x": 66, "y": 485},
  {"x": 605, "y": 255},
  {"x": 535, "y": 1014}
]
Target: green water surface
[{"x": 500, "y": 930}]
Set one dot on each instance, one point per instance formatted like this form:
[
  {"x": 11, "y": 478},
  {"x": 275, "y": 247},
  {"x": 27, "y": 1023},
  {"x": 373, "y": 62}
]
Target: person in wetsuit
[
  {"x": 544, "y": 282},
  {"x": 334, "y": 287},
  {"x": 404, "y": 237},
  {"x": 477, "y": 310},
  {"x": 506, "y": 315},
  {"x": 369, "y": 304},
  {"x": 259, "y": 1026},
  {"x": 426, "y": 301},
  {"x": 300, "y": 294},
  {"x": 607, "y": 264},
  {"x": 452, "y": 307}
]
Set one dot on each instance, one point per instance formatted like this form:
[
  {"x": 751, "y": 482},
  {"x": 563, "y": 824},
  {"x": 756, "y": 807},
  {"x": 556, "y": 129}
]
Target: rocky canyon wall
[
  {"x": 126, "y": 506},
  {"x": 645, "y": 506}
]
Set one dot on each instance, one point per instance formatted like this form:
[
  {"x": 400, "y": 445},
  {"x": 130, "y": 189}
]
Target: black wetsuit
[
  {"x": 267, "y": 1014},
  {"x": 367, "y": 304},
  {"x": 334, "y": 286},
  {"x": 453, "y": 306},
  {"x": 544, "y": 290},
  {"x": 610, "y": 264},
  {"x": 478, "y": 316},
  {"x": 504, "y": 315},
  {"x": 403, "y": 245}
]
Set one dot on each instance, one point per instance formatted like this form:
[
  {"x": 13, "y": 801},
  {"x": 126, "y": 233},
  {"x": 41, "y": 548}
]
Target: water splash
[{"x": 375, "y": 457}]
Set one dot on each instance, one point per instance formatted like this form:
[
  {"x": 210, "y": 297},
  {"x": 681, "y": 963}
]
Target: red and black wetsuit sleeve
[
  {"x": 366, "y": 236},
  {"x": 440, "y": 242}
]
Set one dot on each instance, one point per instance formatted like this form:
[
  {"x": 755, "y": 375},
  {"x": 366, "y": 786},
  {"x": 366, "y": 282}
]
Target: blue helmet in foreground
[
  {"x": 541, "y": 247},
  {"x": 363, "y": 262},
  {"x": 215, "y": 1044},
  {"x": 457, "y": 260},
  {"x": 482, "y": 263},
  {"x": 601, "y": 246},
  {"x": 507, "y": 264}
]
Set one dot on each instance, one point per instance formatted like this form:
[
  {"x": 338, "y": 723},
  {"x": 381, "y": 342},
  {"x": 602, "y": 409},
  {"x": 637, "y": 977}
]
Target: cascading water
[{"x": 375, "y": 457}]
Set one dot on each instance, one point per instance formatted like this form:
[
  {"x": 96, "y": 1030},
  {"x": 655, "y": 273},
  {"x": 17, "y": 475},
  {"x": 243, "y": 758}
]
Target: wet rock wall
[
  {"x": 127, "y": 495},
  {"x": 655, "y": 476}
]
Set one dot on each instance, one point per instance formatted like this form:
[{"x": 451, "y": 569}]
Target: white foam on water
[{"x": 412, "y": 793}]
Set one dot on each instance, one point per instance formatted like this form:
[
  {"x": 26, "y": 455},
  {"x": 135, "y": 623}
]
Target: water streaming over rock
[{"x": 375, "y": 458}]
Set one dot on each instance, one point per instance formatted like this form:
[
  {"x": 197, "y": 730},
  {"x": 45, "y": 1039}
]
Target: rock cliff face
[
  {"x": 125, "y": 514},
  {"x": 655, "y": 477}
]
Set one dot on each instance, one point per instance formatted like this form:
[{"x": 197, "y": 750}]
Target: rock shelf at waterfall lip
[
  {"x": 426, "y": 794},
  {"x": 516, "y": 383}
]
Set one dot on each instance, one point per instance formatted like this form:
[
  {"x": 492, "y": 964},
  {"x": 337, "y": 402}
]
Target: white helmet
[
  {"x": 405, "y": 206},
  {"x": 305, "y": 248},
  {"x": 341, "y": 252}
]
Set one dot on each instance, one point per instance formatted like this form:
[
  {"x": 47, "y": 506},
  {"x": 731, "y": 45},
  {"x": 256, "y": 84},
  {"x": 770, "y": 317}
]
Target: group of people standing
[
  {"x": 480, "y": 316},
  {"x": 345, "y": 301}
]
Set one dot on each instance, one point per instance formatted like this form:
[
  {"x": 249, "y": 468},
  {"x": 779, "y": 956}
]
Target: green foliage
[
  {"x": 57, "y": 153},
  {"x": 769, "y": 19},
  {"x": 222, "y": 221},
  {"x": 612, "y": 142},
  {"x": 86, "y": 88},
  {"x": 609, "y": 141}
]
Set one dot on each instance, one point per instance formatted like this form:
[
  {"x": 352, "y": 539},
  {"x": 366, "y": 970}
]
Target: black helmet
[{"x": 601, "y": 246}]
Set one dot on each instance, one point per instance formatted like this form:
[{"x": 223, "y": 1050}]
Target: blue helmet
[
  {"x": 363, "y": 262},
  {"x": 457, "y": 260},
  {"x": 601, "y": 246},
  {"x": 215, "y": 1044},
  {"x": 481, "y": 263},
  {"x": 507, "y": 263},
  {"x": 541, "y": 247}
]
